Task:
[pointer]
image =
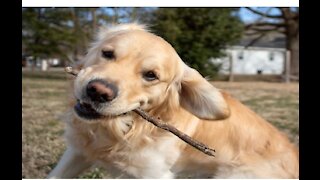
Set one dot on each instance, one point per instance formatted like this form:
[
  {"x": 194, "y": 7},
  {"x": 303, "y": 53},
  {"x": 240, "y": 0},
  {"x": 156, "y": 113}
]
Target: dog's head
[{"x": 128, "y": 67}]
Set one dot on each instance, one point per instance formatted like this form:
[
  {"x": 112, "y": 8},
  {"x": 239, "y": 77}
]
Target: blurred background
[{"x": 253, "y": 53}]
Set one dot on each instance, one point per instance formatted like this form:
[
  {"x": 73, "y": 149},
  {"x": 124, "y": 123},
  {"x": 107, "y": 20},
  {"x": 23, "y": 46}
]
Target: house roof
[
  {"x": 276, "y": 43},
  {"x": 271, "y": 41}
]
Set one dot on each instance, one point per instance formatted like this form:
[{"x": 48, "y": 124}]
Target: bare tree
[
  {"x": 287, "y": 23},
  {"x": 94, "y": 19},
  {"x": 231, "y": 77}
]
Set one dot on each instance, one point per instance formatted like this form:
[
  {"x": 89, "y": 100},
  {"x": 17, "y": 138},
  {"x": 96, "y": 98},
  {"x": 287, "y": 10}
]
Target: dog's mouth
[{"x": 86, "y": 111}]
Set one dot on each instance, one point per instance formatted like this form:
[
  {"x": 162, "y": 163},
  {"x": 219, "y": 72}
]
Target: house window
[
  {"x": 240, "y": 55},
  {"x": 271, "y": 56}
]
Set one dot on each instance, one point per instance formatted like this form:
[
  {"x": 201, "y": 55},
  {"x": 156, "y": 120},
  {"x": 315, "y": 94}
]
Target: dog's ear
[{"x": 200, "y": 98}]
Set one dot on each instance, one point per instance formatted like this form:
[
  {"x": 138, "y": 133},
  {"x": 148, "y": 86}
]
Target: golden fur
[{"x": 246, "y": 145}]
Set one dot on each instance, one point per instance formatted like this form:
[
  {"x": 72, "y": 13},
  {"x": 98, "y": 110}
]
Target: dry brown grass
[{"x": 44, "y": 100}]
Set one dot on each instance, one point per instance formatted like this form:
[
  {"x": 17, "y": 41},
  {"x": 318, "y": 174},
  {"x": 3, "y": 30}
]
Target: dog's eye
[
  {"x": 149, "y": 76},
  {"x": 108, "y": 54}
]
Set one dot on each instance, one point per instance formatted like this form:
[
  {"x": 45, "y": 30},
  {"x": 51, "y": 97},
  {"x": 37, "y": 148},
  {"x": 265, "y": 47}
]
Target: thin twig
[
  {"x": 163, "y": 125},
  {"x": 72, "y": 71}
]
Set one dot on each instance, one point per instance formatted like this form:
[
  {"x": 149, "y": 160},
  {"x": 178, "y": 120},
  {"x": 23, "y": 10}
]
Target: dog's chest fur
[{"x": 146, "y": 157}]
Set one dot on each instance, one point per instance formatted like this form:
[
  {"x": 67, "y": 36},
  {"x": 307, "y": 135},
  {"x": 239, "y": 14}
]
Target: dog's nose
[{"x": 101, "y": 91}]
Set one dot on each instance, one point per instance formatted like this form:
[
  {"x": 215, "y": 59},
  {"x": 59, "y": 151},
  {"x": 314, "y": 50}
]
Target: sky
[{"x": 247, "y": 16}]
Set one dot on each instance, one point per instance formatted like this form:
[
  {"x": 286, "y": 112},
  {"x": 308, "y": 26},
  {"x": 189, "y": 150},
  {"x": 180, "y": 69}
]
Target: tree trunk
[
  {"x": 287, "y": 66},
  {"x": 231, "y": 77},
  {"x": 94, "y": 19},
  {"x": 77, "y": 31},
  {"x": 293, "y": 46},
  {"x": 115, "y": 17},
  {"x": 134, "y": 14},
  {"x": 292, "y": 35}
]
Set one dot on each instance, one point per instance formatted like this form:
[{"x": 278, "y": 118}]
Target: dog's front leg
[{"x": 70, "y": 165}]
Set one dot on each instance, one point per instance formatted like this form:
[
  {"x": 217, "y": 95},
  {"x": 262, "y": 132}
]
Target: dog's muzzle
[{"x": 97, "y": 93}]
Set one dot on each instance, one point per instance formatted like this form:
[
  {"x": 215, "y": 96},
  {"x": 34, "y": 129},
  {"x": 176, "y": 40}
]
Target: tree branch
[
  {"x": 289, "y": 14},
  {"x": 263, "y": 24},
  {"x": 71, "y": 71},
  {"x": 258, "y": 32},
  {"x": 264, "y": 14},
  {"x": 265, "y": 29}
]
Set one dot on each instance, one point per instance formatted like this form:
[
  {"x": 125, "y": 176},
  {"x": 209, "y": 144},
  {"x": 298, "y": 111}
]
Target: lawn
[{"x": 44, "y": 102}]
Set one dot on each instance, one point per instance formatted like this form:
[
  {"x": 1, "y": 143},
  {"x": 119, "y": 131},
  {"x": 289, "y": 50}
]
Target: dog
[{"x": 128, "y": 67}]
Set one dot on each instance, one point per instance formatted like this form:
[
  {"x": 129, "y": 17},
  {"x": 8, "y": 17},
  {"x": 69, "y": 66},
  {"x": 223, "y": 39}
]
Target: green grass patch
[
  {"x": 48, "y": 75},
  {"x": 95, "y": 173}
]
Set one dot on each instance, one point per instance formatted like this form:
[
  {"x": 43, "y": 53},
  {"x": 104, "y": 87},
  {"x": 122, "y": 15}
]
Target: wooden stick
[
  {"x": 163, "y": 125},
  {"x": 70, "y": 70}
]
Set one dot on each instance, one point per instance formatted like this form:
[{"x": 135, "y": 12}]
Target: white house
[
  {"x": 43, "y": 64},
  {"x": 261, "y": 58}
]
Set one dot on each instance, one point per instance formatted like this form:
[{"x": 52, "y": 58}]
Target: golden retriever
[{"x": 128, "y": 67}]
